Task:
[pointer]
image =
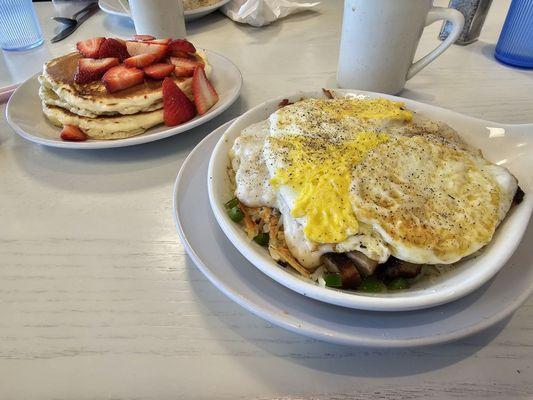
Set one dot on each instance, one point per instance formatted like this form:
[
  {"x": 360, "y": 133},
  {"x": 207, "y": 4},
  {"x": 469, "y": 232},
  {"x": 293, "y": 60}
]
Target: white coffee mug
[
  {"x": 379, "y": 41},
  {"x": 159, "y": 18}
]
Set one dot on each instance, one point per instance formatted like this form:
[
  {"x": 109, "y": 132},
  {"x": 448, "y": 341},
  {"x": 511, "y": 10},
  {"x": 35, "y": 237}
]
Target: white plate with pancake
[
  {"x": 25, "y": 116},
  {"x": 238, "y": 279},
  {"x": 121, "y": 8},
  {"x": 507, "y": 145}
]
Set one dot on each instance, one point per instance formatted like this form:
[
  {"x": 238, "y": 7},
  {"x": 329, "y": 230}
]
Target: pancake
[
  {"x": 92, "y": 99},
  {"x": 99, "y": 114},
  {"x": 104, "y": 126},
  {"x": 49, "y": 97}
]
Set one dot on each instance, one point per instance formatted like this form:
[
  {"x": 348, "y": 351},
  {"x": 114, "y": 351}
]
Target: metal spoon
[{"x": 73, "y": 19}]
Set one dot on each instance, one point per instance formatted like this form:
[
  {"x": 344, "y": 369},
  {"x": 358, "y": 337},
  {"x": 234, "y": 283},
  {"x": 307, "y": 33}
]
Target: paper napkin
[{"x": 263, "y": 12}]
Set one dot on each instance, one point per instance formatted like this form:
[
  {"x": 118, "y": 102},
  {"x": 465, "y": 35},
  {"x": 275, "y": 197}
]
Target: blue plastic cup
[
  {"x": 19, "y": 26},
  {"x": 515, "y": 45}
]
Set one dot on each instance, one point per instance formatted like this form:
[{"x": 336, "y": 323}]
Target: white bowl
[{"x": 508, "y": 145}]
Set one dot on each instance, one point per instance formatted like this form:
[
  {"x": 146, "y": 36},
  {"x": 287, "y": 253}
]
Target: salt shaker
[{"x": 475, "y": 12}]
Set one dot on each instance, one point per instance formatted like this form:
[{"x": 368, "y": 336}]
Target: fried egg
[
  {"x": 431, "y": 203},
  {"x": 369, "y": 175}
]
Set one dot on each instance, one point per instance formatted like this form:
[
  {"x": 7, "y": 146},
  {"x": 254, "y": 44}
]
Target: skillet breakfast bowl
[{"x": 505, "y": 145}]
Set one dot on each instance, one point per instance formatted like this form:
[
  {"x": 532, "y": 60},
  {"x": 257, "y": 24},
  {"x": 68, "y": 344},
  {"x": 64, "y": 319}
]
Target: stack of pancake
[{"x": 102, "y": 115}]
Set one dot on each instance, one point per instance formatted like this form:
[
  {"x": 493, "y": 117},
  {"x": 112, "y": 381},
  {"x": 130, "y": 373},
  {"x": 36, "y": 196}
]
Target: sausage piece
[
  {"x": 366, "y": 266},
  {"x": 395, "y": 268},
  {"x": 337, "y": 262}
]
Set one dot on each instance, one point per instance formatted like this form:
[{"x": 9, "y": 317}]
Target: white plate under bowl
[
  {"x": 507, "y": 145},
  {"x": 121, "y": 8},
  {"x": 24, "y": 112},
  {"x": 230, "y": 272}
]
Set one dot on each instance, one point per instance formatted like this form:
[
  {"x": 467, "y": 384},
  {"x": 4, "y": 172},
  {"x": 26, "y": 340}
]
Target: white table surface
[{"x": 99, "y": 300}]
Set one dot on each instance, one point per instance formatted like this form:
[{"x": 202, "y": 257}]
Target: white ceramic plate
[
  {"x": 25, "y": 116},
  {"x": 507, "y": 145},
  {"x": 230, "y": 272},
  {"x": 121, "y": 8},
  {"x": 7, "y": 91}
]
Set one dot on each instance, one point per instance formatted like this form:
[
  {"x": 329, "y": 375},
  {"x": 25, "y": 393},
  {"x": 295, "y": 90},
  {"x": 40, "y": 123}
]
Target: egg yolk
[{"x": 319, "y": 171}]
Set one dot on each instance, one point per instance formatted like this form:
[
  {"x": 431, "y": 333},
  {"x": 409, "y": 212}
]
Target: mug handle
[{"x": 435, "y": 14}]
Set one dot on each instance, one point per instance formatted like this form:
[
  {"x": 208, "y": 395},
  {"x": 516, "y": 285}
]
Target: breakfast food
[
  {"x": 364, "y": 194},
  {"x": 113, "y": 88},
  {"x": 189, "y": 5}
]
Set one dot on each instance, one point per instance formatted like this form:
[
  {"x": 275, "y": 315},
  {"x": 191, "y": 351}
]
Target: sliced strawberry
[
  {"x": 142, "y": 38},
  {"x": 184, "y": 66},
  {"x": 177, "y": 108},
  {"x": 140, "y": 61},
  {"x": 72, "y": 133},
  {"x": 121, "y": 41},
  {"x": 122, "y": 77},
  {"x": 205, "y": 95},
  {"x": 159, "y": 71},
  {"x": 113, "y": 48},
  {"x": 136, "y": 48},
  {"x": 180, "y": 45},
  {"x": 181, "y": 54},
  {"x": 90, "y": 47},
  {"x": 90, "y": 70},
  {"x": 160, "y": 41}
]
